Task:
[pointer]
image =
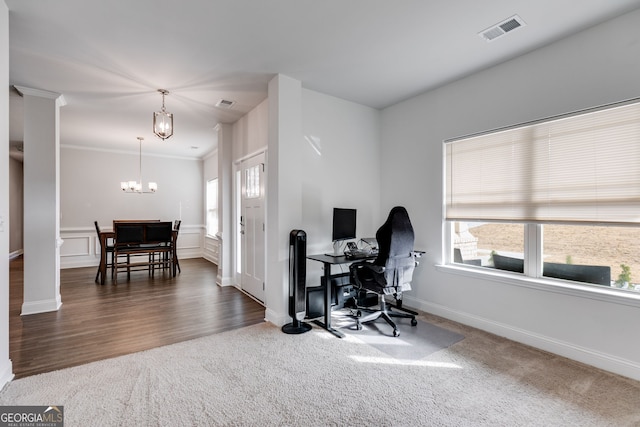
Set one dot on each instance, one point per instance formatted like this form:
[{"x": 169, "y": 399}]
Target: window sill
[{"x": 594, "y": 292}]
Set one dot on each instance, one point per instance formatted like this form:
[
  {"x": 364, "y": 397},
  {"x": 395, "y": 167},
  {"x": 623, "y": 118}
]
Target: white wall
[
  {"x": 90, "y": 191},
  {"x": 345, "y": 174},
  {"x": 597, "y": 66},
  {"x": 250, "y": 133},
  {"x": 341, "y": 171},
  {"x": 210, "y": 166},
  {"x": 6, "y": 372}
]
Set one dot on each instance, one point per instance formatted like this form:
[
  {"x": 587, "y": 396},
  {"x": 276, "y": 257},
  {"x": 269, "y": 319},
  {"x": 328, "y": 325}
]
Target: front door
[{"x": 252, "y": 226}]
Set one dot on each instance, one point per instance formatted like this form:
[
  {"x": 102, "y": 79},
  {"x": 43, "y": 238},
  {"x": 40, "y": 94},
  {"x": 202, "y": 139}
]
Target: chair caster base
[
  {"x": 396, "y": 333},
  {"x": 414, "y": 322}
]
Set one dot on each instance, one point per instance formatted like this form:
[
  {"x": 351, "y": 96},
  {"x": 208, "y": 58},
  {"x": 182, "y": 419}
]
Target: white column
[
  {"x": 6, "y": 369},
  {"x": 284, "y": 190},
  {"x": 225, "y": 207},
  {"x": 41, "y": 200}
]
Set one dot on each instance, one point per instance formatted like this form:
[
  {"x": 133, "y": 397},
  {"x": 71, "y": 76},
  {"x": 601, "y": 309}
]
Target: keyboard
[{"x": 361, "y": 255}]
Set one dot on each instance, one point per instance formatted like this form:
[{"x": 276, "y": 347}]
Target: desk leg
[{"x": 327, "y": 303}]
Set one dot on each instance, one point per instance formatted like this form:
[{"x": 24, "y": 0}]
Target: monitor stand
[{"x": 336, "y": 250}]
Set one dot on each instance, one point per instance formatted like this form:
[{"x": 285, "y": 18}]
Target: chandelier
[
  {"x": 163, "y": 121},
  {"x": 136, "y": 186}
]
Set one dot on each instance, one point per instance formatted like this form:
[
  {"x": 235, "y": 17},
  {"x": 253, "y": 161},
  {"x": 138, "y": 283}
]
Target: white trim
[
  {"x": 225, "y": 281},
  {"x": 594, "y": 292},
  {"x": 136, "y": 153},
  {"x": 15, "y": 254},
  {"x": 600, "y": 360},
  {"x": 210, "y": 154},
  {"x": 250, "y": 155},
  {"x": 22, "y": 90},
  {"x": 6, "y": 374},
  {"x": 276, "y": 318},
  {"x": 190, "y": 245},
  {"x": 42, "y": 306}
]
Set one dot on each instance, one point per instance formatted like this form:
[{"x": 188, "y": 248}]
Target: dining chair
[
  {"x": 108, "y": 249},
  {"x": 176, "y": 228}
]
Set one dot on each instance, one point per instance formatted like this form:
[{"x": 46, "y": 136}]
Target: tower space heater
[{"x": 297, "y": 283}]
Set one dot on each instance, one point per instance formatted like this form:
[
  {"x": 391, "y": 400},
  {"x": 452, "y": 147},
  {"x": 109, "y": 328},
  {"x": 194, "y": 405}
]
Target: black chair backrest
[
  {"x": 176, "y": 224},
  {"x": 97, "y": 227},
  {"x": 128, "y": 234},
  {"x": 159, "y": 232},
  {"x": 395, "y": 247},
  {"x": 395, "y": 237}
]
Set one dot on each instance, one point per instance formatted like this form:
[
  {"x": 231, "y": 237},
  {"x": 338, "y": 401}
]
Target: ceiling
[{"x": 109, "y": 58}]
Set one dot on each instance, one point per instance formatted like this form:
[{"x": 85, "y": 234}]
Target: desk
[{"x": 328, "y": 261}]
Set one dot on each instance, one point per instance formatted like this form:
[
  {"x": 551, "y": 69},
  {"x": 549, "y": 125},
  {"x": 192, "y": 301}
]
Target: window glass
[
  {"x": 212, "y": 207},
  {"x": 608, "y": 256},
  {"x": 476, "y": 243},
  {"x": 546, "y": 179},
  {"x": 253, "y": 182}
]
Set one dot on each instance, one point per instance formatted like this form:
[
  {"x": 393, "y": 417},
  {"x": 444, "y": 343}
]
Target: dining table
[{"x": 105, "y": 235}]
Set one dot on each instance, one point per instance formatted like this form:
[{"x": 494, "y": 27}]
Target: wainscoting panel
[
  {"x": 81, "y": 247},
  {"x": 212, "y": 249},
  {"x": 76, "y": 246}
]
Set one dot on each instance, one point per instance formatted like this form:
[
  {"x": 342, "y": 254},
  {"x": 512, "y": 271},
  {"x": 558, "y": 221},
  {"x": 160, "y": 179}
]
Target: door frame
[{"x": 236, "y": 211}]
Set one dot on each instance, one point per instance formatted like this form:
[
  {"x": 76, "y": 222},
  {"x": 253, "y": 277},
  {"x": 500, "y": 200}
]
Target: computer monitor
[{"x": 344, "y": 224}]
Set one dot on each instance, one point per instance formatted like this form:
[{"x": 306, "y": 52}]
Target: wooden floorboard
[{"x": 98, "y": 322}]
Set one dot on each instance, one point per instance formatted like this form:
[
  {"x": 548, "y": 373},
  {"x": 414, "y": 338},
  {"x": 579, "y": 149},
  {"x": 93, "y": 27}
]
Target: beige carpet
[{"x": 259, "y": 376}]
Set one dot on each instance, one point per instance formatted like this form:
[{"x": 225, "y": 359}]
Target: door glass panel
[{"x": 253, "y": 182}]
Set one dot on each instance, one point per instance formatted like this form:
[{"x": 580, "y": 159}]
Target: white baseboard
[
  {"x": 6, "y": 373},
  {"x": 277, "y": 319},
  {"x": 42, "y": 306},
  {"x": 587, "y": 356},
  {"x": 225, "y": 281},
  {"x": 208, "y": 255}
]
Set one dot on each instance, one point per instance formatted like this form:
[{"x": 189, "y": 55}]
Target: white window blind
[{"x": 580, "y": 168}]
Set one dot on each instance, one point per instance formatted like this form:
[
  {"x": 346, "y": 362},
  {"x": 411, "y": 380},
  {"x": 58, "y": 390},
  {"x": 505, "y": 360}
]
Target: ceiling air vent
[
  {"x": 502, "y": 28},
  {"x": 225, "y": 103}
]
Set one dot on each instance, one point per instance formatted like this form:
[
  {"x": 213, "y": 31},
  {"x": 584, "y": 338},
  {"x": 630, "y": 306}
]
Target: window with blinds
[
  {"x": 577, "y": 168},
  {"x": 212, "y": 207}
]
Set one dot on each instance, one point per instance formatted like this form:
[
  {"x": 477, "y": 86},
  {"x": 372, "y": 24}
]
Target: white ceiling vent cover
[
  {"x": 225, "y": 103},
  {"x": 502, "y": 28}
]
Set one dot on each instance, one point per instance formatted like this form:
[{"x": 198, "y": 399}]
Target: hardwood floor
[{"x": 99, "y": 322}]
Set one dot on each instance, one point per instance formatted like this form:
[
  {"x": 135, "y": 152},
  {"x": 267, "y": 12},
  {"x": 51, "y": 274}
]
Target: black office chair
[
  {"x": 108, "y": 250},
  {"x": 391, "y": 272}
]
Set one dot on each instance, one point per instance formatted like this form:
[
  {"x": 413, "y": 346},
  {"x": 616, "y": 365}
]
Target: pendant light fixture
[
  {"x": 162, "y": 120},
  {"x": 136, "y": 186}
]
